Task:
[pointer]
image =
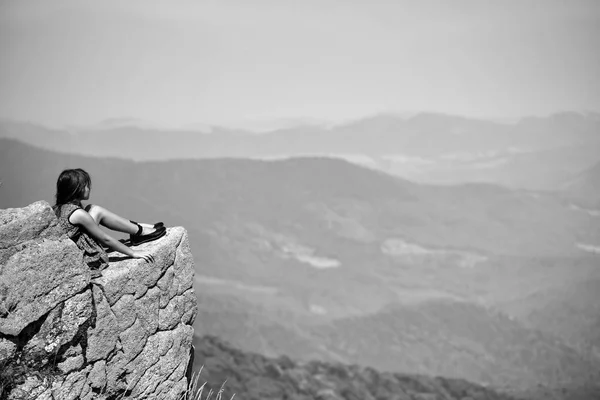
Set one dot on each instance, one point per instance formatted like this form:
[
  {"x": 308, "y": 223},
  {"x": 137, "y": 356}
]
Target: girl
[{"x": 82, "y": 224}]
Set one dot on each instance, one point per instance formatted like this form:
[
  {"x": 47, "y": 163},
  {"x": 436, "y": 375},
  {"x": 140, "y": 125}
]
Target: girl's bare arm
[{"x": 84, "y": 219}]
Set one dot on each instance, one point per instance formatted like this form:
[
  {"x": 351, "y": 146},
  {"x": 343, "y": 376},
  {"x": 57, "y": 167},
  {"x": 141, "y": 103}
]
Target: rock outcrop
[{"x": 66, "y": 336}]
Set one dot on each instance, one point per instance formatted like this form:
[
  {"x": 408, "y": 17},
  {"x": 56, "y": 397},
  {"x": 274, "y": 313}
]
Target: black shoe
[
  {"x": 155, "y": 226},
  {"x": 139, "y": 239}
]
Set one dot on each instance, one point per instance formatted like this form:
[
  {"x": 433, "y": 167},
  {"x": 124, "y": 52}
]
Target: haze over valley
[{"x": 319, "y": 258}]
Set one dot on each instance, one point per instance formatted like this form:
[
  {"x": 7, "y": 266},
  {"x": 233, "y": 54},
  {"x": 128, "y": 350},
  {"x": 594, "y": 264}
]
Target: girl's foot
[
  {"x": 144, "y": 225},
  {"x": 148, "y": 229},
  {"x": 145, "y": 234}
]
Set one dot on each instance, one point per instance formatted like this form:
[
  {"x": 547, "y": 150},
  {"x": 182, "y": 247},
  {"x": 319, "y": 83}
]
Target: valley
[{"x": 318, "y": 258}]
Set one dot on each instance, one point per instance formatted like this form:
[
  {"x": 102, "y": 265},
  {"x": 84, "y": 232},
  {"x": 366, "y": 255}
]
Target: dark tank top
[{"x": 93, "y": 254}]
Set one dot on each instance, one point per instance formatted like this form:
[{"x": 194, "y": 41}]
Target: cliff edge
[{"x": 66, "y": 336}]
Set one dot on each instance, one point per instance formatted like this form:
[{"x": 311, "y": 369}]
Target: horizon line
[{"x": 295, "y": 121}]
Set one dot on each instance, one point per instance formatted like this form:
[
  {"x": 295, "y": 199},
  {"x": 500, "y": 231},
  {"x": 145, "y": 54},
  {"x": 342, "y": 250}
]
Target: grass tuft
[{"x": 194, "y": 391}]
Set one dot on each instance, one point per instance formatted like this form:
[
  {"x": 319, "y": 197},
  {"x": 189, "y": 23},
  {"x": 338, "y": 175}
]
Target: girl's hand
[{"x": 146, "y": 255}]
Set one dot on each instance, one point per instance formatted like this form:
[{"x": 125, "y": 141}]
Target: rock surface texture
[{"x": 127, "y": 334}]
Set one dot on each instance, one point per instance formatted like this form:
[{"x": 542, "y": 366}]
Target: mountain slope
[
  {"x": 569, "y": 311},
  {"x": 451, "y": 339},
  {"x": 585, "y": 188},
  {"x": 251, "y": 376},
  {"x": 328, "y": 196},
  {"x": 482, "y": 344},
  {"x": 311, "y": 242}
]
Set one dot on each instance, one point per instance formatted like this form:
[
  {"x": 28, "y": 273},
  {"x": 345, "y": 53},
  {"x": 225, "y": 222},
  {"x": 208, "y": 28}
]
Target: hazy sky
[{"x": 179, "y": 62}]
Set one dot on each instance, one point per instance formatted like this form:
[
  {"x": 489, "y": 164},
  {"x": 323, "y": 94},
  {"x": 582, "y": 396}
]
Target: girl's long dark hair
[{"x": 70, "y": 185}]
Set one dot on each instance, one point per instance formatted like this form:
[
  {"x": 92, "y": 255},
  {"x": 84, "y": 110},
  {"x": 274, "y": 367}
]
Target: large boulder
[
  {"x": 64, "y": 335},
  {"x": 39, "y": 266}
]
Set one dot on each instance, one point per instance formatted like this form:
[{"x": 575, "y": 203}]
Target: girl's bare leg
[{"x": 106, "y": 218}]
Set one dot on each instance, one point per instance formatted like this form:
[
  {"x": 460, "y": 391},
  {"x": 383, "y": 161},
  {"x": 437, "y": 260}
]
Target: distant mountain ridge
[
  {"x": 534, "y": 153},
  {"x": 379, "y": 134}
]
